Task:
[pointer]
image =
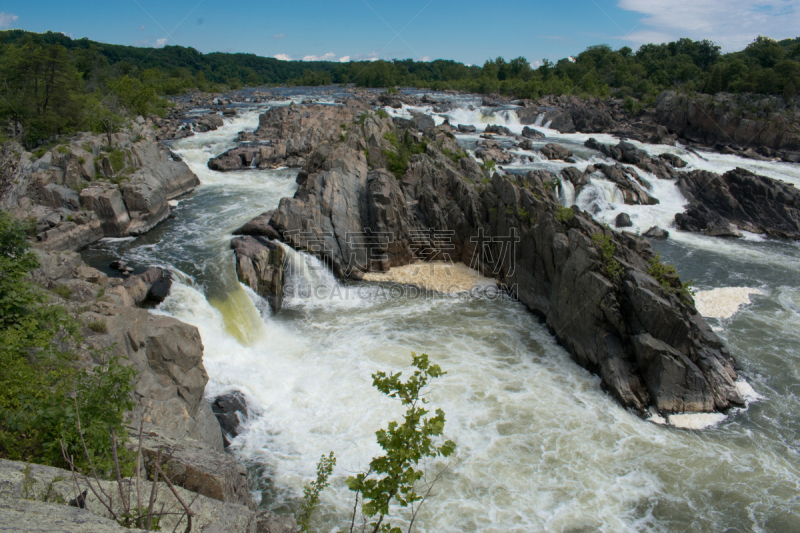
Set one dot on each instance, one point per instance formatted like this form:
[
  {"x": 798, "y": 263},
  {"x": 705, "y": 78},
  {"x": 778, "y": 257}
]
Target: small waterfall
[
  {"x": 566, "y": 192},
  {"x": 539, "y": 119}
]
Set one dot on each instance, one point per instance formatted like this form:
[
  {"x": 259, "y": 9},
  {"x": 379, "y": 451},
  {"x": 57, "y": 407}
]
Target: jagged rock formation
[
  {"x": 260, "y": 266},
  {"x": 286, "y": 136},
  {"x": 625, "y": 152},
  {"x": 628, "y": 181},
  {"x": 753, "y": 126},
  {"x": 728, "y": 119},
  {"x": 76, "y": 195},
  {"x": 231, "y": 411},
  {"x": 555, "y": 151},
  {"x": 648, "y": 345},
  {"x": 739, "y": 200}
]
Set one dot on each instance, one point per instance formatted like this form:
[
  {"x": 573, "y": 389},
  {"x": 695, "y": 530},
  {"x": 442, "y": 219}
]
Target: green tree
[
  {"x": 43, "y": 386},
  {"x": 393, "y": 476}
]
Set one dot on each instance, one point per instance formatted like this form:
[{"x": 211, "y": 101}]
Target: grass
[
  {"x": 98, "y": 326},
  {"x": 382, "y": 113},
  {"x": 63, "y": 290},
  {"x": 455, "y": 157}
]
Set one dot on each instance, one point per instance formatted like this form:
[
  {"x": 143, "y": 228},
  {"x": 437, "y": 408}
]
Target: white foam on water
[
  {"x": 747, "y": 391},
  {"x": 435, "y": 275},
  {"x": 723, "y": 302},
  {"x": 541, "y": 447},
  {"x": 696, "y": 420}
]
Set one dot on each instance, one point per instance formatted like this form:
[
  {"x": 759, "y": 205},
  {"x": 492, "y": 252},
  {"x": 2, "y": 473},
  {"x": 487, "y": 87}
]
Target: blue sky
[{"x": 468, "y": 31}]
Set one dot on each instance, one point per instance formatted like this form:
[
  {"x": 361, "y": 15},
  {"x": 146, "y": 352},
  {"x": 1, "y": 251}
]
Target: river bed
[{"x": 541, "y": 447}]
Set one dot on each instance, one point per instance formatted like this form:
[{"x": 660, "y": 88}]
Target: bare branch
[
  {"x": 427, "y": 493},
  {"x": 189, "y": 513},
  {"x": 139, "y": 473},
  {"x": 113, "y": 436},
  {"x": 153, "y": 489}
]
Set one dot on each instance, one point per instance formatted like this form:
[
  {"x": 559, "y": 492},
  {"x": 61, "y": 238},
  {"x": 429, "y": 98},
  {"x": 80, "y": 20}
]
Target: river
[{"x": 540, "y": 446}]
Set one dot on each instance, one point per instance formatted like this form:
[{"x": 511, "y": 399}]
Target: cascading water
[{"x": 540, "y": 445}]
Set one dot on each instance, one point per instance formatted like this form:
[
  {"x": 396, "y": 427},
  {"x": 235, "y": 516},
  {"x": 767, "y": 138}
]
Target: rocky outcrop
[
  {"x": 627, "y": 181},
  {"x": 648, "y": 345},
  {"x": 19, "y": 487},
  {"x": 29, "y": 516},
  {"x": 530, "y": 133},
  {"x": 656, "y": 233},
  {"x": 260, "y": 266},
  {"x": 76, "y": 195},
  {"x": 286, "y": 136},
  {"x": 750, "y": 125},
  {"x": 569, "y": 114},
  {"x": 735, "y": 121},
  {"x": 739, "y": 200},
  {"x": 489, "y": 150},
  {"x": 231, "y": 411},
  {"x": 198, "y": 467},
  {"x": 555, "y": 151},
  {"x": 626, "y": 152}
]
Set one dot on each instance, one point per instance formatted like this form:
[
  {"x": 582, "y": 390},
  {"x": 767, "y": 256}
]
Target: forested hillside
[{"x": 53, "y": 84}]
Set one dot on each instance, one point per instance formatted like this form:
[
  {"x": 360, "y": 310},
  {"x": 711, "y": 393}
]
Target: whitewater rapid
[{"x": 541, "y": 447}]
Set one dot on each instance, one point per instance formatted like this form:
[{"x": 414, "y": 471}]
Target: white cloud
[
  {"x": 344, "y": 59},
  {"x": 732, "y": 24},
  {"x": 283, "y": 57},
  {"x": 7, "y": 19},
  {"x": 279, "y": 36},
  {"x": 141, "y": 42},
  {"x": 141, "y": 28},
  {"x": 160, "y": 42},
  {"x": 425, "y": 58},
  {"x": 326, "y": 57}
]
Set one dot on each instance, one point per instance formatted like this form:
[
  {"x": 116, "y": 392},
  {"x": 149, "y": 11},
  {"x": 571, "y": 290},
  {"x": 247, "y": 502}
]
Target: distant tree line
[{"x": 52, "y": 84}]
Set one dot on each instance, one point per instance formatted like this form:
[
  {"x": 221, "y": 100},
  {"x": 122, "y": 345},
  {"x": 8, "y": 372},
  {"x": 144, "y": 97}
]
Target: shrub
[
  {"x": 488, "y": 166},
  {"x": 392, "y": 476},
  {"x": 669, "y": 279},
  {"x": 62, "y": 149},
  {"x": 611, "y": 267},
  {"x": 397, "y": 161},
  {"x": 382, "y": 113},
  {"x": 564, "y": 214},
  {"x": 455, "y": 157},
  {"x": 42, "y": 387},
  {"x": 312, "y": 490},
  {"x": 117, "y": 160}
]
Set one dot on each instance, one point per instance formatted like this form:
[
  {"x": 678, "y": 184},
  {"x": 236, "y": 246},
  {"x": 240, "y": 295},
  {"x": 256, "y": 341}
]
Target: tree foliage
[
  {"x": 42, "y": 382},
  {"x": 394, "y": 475}
]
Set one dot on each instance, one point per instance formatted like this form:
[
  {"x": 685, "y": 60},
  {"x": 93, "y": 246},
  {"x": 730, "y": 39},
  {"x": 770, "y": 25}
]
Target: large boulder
[
  {"x": 171, "y": 378},
  {"x": 628, "y": 181},
  {"x": 197, "y": 466},
  {"x": 231, "y": 410},
  {"x": 555, "y": 151},
  {"x": 739, "y": 200},
  {"x": 260, "y": 266}
]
